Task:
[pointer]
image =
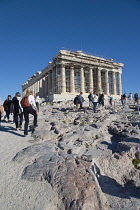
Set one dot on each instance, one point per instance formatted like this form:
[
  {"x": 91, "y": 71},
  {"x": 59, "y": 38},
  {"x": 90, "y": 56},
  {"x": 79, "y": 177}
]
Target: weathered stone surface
[{"x": 89, "y": 164}]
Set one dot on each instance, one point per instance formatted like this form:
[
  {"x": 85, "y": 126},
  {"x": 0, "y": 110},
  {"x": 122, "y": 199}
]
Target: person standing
[
  {"x": 37, "y": 100},
  {"x": 94, "y": 101},
  {"x": 90, "y": 99},
  {"x": 110, "y": 99},
  {"x": 136, "y": 98},
  {"x": 29, "y": 109},
  {"x": 130, "y": 98},
  {"x": 81, "y": 100},
  {"x": 101, "y": 100},
  {"x": 17, "y": 110},
  {"x": 7, "y": 107}
]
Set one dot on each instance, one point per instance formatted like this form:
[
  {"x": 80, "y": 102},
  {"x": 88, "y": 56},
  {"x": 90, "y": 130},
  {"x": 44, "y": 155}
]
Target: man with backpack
[{"x": 76, "y": 102}]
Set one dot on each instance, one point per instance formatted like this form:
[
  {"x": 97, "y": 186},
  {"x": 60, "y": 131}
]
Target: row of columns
[
  {"x": 45, "y": 83},
  {"x": 99, "y": 81}
]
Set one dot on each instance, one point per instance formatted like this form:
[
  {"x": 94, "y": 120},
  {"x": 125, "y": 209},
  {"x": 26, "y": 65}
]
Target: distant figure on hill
[
  {"x": 76, "y": 102},
  {"x": 110, "y": 99},
  {"x": 130, "y": 98},
  {"x": 123, "y": 99},
  {"x": 81, "y": 100},
  {"x": 94, "y": 101},
  {"x": 37, "y": 101},
  {"x": 90, "y": 99},
  {"x": 17, "y": 110},
  {"x": 7, "y": 108},
  {"x": 29, "y": 109},
  {"x": 101, "y": 100},
  {"x": 136, "y": 98}
]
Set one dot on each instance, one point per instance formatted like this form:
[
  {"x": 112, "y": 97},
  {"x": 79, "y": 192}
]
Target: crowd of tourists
[
  {"x": 98, "y": 100},
  {"x": 20, "y": 108},
  {"x": 130, "y": 98},
  {"x": 93, "y": 98}
]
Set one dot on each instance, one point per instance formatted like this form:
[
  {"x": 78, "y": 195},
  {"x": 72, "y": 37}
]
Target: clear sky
[{"x": 33, "y": 31}]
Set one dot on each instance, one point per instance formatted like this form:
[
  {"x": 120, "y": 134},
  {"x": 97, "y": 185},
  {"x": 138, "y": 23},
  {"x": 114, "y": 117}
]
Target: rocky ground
[{"x": 84, "y": 158}]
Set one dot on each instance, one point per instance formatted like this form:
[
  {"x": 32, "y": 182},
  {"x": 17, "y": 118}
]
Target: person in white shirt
[
  {"x": 94, "y": 101},
  {"x": 37, "y": 101},
  {"x": 30, "y": 110}
]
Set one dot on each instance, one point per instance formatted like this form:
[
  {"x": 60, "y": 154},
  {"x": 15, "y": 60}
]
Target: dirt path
[{"x": 16, "y": 193}]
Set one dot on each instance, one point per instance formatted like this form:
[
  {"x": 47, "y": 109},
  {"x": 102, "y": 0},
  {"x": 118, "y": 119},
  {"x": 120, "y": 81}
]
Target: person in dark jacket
[
  {"x": 17, "y": 110},
  {"x": 90, "y": 99},
  {"x": 81, "y": 100},
  {"x": 7, "y": 107},
  {"x": 101, "y": 100}
]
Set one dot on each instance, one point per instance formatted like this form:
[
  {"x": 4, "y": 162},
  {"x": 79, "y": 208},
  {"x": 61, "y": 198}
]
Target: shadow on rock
[{"x": 112, "y": 187}]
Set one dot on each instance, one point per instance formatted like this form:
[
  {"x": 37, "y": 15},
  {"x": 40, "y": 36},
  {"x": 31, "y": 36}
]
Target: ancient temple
[{"x": 70, "y": 73}]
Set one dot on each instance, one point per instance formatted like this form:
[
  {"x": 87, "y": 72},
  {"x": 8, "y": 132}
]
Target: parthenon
[{"x": 70, "y": 73}]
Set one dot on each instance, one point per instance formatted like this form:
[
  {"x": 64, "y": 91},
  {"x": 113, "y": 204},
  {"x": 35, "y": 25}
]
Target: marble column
[
  {"x": 40, "y": 87},
  {"x": 106, "y": 83},
  {"x": 99, "y": 83},
  {"x": 119, "y": 84},
  {"x": 82, "y": 81},
  {"x": 33, "y": 89},
  {"x": 72, "y": 84},
  {"x": 91, "y": 79},
  {"x": 63, "y": 79},
  {"x": 36, "y": 87},
  {"x": 43, "y": 86},
  {"x": 113, "y": 83},
  {"x": 52, "y": 81},
  {"x": 46, "y": 87}
]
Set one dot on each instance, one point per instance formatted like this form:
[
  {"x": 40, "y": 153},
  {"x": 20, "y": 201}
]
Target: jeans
[
  {"x": 27, "y": 111},
  {"x": 94, "y": 106},
  {"x": 7, "y": 115}
]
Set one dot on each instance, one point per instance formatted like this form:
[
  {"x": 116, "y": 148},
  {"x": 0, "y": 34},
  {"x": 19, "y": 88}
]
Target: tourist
[
  {"x": 130, "y": 98},
  {"x": 1, "y": 111},
  {"x": 17, "y": 110},
  {"x": 101, "y": 100},
  {"x": 94, "y": 101},
  {"x": 7, "y": 108},
  {"x": 81, "y": 100},
  {"x": 110, "y": 99},
  {"x": 31, "y": 109},
  {"x": 37, "y": 100},
  {"x": 136, "y": 98},
  {"x": 76, "y": 102},
  {"x": 123, "y": 99},
  {"x": 90, "y": 99}
]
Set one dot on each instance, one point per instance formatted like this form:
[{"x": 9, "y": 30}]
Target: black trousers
[
  {"x": 16, "y": 117},
  {"x": 37, "y": 106},
  {"x": 27, "y": 111}
]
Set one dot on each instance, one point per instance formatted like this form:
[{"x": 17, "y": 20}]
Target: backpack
[
  {"x": 25, "y": 102},
  {"x": 76, "y": 100}
]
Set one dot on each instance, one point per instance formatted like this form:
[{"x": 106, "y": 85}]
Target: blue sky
[{"x": 33, "y": 31}]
